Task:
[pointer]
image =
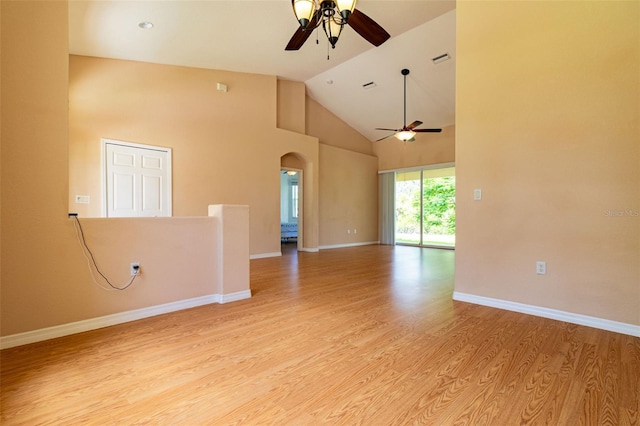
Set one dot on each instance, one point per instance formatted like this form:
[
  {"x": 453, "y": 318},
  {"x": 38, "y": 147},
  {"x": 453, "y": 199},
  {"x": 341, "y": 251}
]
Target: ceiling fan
[
  {"x": 333, "y": 15},
  {"x": 407, "y": 133}
]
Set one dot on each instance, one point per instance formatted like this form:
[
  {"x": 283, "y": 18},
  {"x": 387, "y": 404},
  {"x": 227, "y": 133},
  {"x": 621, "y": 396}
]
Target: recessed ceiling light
[{"x": 146, "y": 25}]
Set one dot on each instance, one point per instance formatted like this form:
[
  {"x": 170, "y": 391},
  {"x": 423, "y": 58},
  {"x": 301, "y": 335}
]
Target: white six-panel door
[{"x": 137, "y": 180}]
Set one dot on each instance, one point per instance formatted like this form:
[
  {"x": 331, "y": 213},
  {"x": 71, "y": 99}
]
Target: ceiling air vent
[
  {"x": 441, "y": 58},
  {"x": 369, "y": 85}
]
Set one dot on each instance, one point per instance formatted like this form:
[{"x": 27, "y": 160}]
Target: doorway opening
[
  {"x": 293, "y": 211},
  {"x": 290, "y": 180},
  {"x": 425, "y": 208}
]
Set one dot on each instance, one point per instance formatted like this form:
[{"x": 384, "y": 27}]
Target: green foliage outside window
[
  {"x": 439, "y": 209},
  {"x": 439, "y": 205}
]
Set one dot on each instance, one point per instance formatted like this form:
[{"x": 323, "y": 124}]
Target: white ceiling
[{"x": 250, "y": 36}]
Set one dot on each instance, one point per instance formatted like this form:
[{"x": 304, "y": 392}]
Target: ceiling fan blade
[
  {"x": 390, "y": 130},
  {"x": 367, "y": 28},
  {"x": 388, "y": 136},
  {"x": 427, "y": 130},
  {"x": 414, "y": 124},
  {"x": 300, "y": 36}
]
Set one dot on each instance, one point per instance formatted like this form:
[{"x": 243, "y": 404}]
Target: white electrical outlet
[
  {"x": 83, "y": 199},
  {"x": 134, "y": 268},
  {"x": 541, "y": 268}
]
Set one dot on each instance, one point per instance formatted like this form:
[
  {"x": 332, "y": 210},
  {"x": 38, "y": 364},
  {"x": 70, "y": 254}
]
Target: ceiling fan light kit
[
  {"x": 304, "y": 10},
  {"x": 333, "y": 16},
  {"x": 407, "y": 133},
  {"x": 332, "y": 29}
]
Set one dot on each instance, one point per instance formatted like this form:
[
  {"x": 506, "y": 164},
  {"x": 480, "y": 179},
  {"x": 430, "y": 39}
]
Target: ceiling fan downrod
[{"x": 405, "y": 73}]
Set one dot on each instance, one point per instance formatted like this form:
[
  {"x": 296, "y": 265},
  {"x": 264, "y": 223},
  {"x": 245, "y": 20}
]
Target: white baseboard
[
  {"x": 119, "y": 318},
  {"x": 334, "y": 246},
  {"x": 263, "y": 255},
  {"x": 603, "y": 324},
  {"x": 233, "y": 297},
  {"x": 313, "y": 249}
]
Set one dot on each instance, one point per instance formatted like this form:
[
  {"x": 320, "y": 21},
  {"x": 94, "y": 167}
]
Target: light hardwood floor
[{"x": 365, "y": 335}]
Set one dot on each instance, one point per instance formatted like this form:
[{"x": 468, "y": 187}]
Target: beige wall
[
  {"x": 547, "y": 111},
  {"x": 291, "y": 109},
  {"x": 429, "y": 148},
  {"x": 45, "y": 279},
  {"x": 36, "y": 232},
  {"x": 226, "y": 148},
  {"x": 324, "y": 125},
  {"x": 553, "y": 144},
  {"x": 348, "y": 184},
  {"x": 349, "y": 193}
]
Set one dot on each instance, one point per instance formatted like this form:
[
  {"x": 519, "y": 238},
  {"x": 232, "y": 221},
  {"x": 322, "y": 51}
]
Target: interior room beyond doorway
[{"x": 289, "y": 209}]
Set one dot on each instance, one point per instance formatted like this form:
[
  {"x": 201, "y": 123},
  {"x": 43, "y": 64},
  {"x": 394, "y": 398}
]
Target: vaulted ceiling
[{"x": 250, "y": 36}]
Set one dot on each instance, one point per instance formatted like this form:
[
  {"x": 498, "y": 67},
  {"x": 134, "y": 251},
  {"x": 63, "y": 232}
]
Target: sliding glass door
[
  {"x": 408, "y": 207},
  {"x": 439, "y": 207},
  {"x": 425, "y": 207}
]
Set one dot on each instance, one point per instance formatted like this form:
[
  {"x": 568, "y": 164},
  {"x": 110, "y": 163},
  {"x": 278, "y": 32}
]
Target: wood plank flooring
[{"x": 366, "y": 335}]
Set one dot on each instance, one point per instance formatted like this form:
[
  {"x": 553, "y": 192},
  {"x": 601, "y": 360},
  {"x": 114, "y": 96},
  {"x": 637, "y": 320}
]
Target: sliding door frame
[{"x": 421, "y": 169}]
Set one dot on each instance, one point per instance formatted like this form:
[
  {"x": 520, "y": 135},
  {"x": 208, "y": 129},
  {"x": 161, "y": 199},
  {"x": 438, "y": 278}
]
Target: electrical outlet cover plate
[{"x": 134, "y": 268}]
